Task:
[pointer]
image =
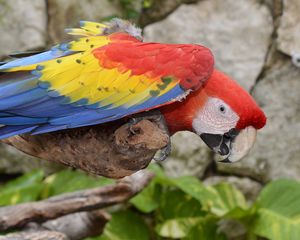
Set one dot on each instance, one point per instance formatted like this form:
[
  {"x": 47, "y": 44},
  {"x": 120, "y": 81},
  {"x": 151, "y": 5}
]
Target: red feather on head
[
  {"x": 223, "y": 87},
  {"x": 179, "y": 116}
]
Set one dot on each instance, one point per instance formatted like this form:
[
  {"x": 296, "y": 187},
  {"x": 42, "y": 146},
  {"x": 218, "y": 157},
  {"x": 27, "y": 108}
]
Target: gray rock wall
[
  {"x": 247, "y": 38},
  {"x": 68, "y": 13},
  {"x": 238, "y": 32},
  {"x": 254, "y": 41},
  {"x": 23, "y": 25}
]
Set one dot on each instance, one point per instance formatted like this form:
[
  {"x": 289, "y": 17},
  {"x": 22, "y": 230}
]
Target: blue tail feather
[{"x": 9, "y": 131}]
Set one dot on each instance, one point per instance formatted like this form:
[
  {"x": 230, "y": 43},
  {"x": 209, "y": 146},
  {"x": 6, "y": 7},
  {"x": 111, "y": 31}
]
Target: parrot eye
[{"x": 222, "y": 109}]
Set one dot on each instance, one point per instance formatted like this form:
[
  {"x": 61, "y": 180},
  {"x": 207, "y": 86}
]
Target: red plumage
[
  {"x": 125, "y": 76},
  {"x": 190, "y": 64},
  {"x": 237, "y": 98},
  {"x": 193, "y": 66},
  {"x": 180, "y": 115}
]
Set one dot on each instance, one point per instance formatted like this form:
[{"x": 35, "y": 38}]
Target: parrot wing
[{"x": 95, "y": 79}]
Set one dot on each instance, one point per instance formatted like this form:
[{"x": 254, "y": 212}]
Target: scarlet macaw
[{"x": 109, "y": 73}]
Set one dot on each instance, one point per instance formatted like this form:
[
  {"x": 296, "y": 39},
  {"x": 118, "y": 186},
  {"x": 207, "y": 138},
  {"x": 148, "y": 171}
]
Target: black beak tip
[
  {"x": 226, "y": 160},
  {"x": 220, "y": 144}
]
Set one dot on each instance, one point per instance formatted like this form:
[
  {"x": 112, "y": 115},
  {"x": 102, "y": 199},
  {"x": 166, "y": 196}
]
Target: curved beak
[{"x": 233, "y": 145}]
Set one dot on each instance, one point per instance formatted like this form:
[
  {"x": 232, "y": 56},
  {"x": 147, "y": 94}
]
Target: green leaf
[
  {"x": 69, "y": 181},
  {"x": 242, "y": 214},
  {"x": 231, "y": 201},
  {"x": 155, "y": 168},
  {"x": 25, "y": 180},
  {"x": 177, "y": 204},
  {"x": 176, "y": 228},
  {"x": 125, "y": 225},
  {"x": 23, "y": 189},
  {"x": 278, "y": 211},
  {"x": 178, "y": 211},
  {"x": 147, "y": 3},
  {"x": 160, "y": 177},
  {"x": 21, "y": 195},
  {"x": 281, "y": 196},
  {"x": 147, "y": 200},
  {"x": 206, "y": 229},
  {"x": 192, "y": 186},
  {"x": 219, "y": 199}
]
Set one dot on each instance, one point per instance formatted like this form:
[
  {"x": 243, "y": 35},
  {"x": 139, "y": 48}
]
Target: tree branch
[
  {"x": 112, "y": 150},
  {"x": 74, "y": 226},
  {"x": 79, "y": 225},
  {"x": 21, "y": 214},
  {"x": 35, "y": 235}
]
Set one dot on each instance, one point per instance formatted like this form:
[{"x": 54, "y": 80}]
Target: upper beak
[{"x": 233, "y": 145}]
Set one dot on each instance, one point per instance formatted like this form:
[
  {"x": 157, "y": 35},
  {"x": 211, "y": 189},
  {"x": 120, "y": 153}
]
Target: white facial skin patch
[{"x": 215, "y": 117}]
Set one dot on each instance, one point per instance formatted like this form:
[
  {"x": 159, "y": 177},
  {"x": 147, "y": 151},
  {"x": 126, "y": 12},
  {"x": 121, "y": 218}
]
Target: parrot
[{"x": 108, "y": 73}]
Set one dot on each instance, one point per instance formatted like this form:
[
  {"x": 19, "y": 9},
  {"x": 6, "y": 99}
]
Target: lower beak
[{"x": 233, "y": 145}]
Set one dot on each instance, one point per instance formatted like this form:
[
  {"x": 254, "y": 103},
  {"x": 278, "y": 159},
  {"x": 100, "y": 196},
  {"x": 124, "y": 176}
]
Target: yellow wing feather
[
  {"x": 87, "y": 29},
  {"x": 80, "y": 75}
]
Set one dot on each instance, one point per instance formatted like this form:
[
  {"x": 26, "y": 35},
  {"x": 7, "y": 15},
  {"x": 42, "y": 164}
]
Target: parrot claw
[
  {"x": 154, "y": 116},
  {"x": 158, "y": 118},
  {"x": 163, "y": 153},
  {"x": 132, "y": 122}
]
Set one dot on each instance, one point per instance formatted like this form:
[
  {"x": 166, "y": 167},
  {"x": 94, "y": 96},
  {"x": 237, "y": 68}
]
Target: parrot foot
[
  {"x": 133, "y": 121},
  {"x": 157, "y": 117},
  {"x": 154, "y": 116},
  {"x": 163, "y": 153}
]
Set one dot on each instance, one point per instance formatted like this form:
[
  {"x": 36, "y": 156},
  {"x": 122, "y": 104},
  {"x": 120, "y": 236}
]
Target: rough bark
[
  {"x": 79, "y": 225},
  {"x": 74, "y": 226},
  {"x": 87, "y": 200},
  {"x": 112, "y": 150},
  {"x": 35, "y": 235}
]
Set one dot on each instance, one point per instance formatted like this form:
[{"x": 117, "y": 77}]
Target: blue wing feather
[
  {"x": 91, "y": 117},
  {"x": 36, "y": 112},
  {"x": 8, "y": 131},
  {"x": 28, "y": 106},
  {"x": 55, "y": 52},
  {"x": 18, "y": 87},
  {"x": 46, "y": 107},
  {"x": 21, "y": 98},
  {"x": 18, "y": 120},
  {"x": 46, "y": 128}
]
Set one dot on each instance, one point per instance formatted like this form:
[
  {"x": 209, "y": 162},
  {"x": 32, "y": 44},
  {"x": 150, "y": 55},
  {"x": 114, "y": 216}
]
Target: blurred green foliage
[
  {"x": 125, "y": 225},
  {"x": 176, "y": 208},
  {"x": 132, "y": 9},
  {"x": 23, "y": 189},
  {"x": 35, "y": 186},
  {"x": 129, "y": 8}
]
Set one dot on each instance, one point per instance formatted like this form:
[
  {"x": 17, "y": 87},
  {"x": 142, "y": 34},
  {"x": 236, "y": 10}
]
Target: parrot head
[{"x": 222, "y": 113}]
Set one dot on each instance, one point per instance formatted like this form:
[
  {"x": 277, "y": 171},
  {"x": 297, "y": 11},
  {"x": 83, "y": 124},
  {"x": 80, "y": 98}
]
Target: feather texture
[{"x": 97, "y": 78}]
